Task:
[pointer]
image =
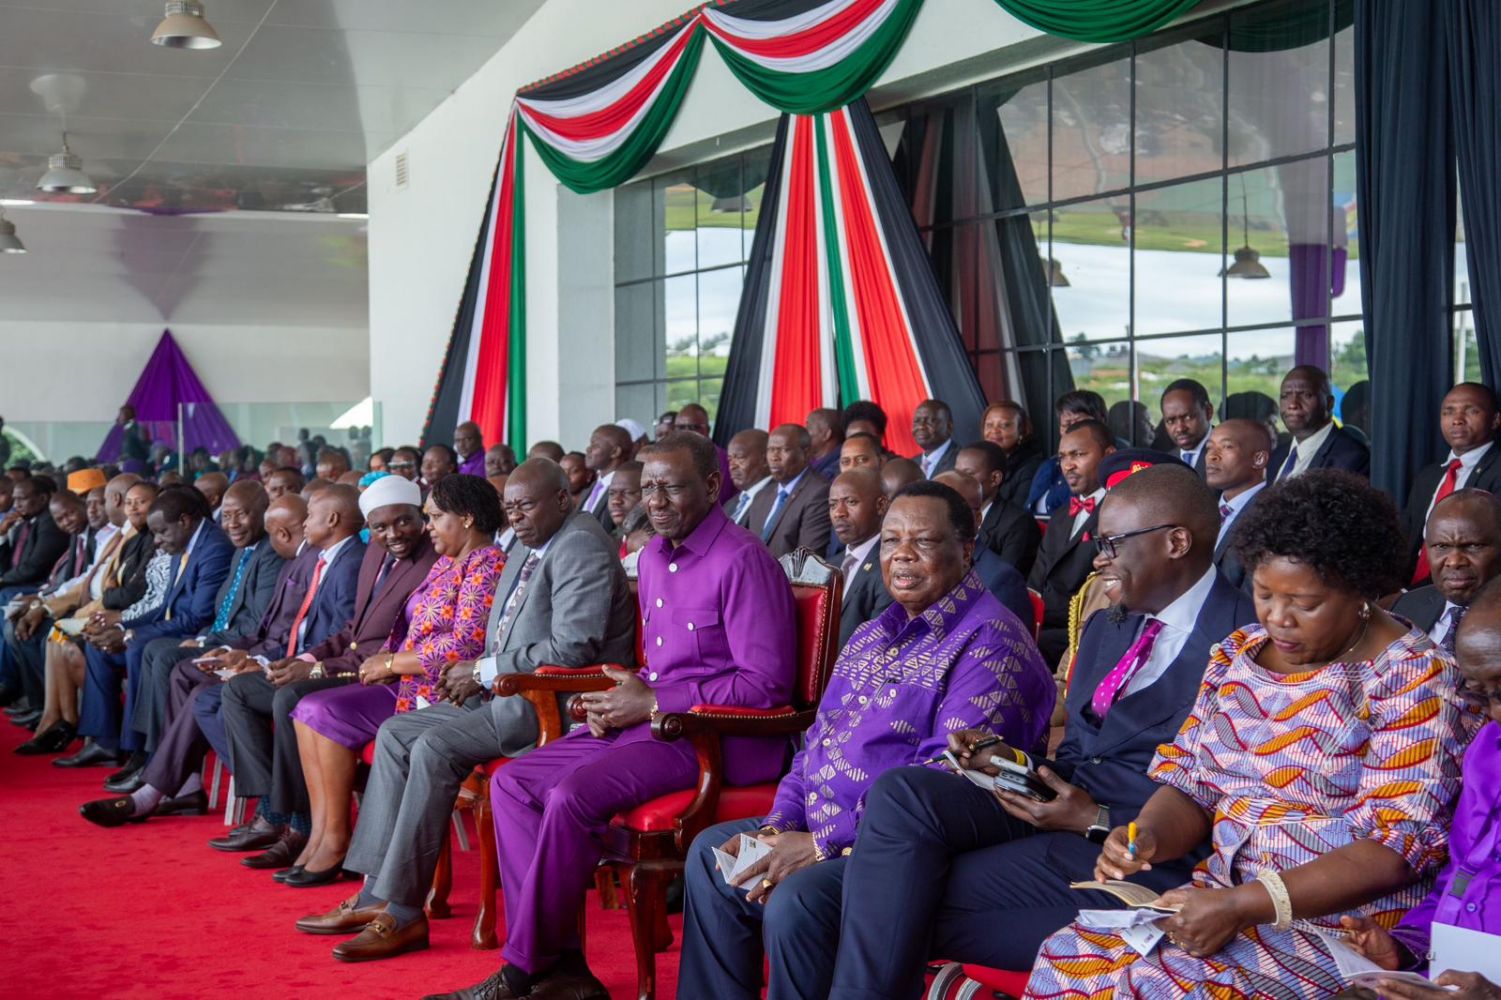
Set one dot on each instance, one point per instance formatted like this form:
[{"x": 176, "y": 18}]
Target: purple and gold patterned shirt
[{"x": 900, "y": 687}]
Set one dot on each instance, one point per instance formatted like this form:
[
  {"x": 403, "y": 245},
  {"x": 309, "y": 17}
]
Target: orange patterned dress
[{"x": 445, "y": 621}]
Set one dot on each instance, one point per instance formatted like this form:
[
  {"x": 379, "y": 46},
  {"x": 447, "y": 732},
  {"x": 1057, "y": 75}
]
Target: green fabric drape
[
  {"x": 1097, "y": 20},
  {"x": 826, "y": 89},
  {"x": 1289, "y": 28}
]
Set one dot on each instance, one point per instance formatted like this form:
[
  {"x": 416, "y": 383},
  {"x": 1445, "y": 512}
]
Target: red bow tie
[{"x": 1075, "y": 505}]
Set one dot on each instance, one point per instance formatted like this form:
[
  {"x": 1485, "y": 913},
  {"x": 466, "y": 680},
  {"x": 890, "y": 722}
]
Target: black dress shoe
[
  {"x": 127, "y": 781},
  {"x": 308, "y": 879},
  {"x": 282, "y": 875},
  {"x": 55, "y": 739},
  {"x": 135, "y": 762},
  {"x": 280, "y": 854},
  {"x": 258, "y": 836},
  {"x": 27, "y": 720},
  {"x": 92, "y": 755},
  {"x": 20, "y": 706},
  {"x": 194, "y": 804},
  {"x": 110, "y": 812}
]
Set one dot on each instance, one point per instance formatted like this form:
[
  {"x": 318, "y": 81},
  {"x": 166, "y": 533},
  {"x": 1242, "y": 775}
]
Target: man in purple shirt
[
  {"x": 718, "y": 627},
  {"x": 469, "y": 443},
  {"x": 945, "y": 657}
]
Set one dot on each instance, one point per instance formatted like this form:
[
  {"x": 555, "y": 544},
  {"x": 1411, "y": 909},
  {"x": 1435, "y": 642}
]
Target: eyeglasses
[{"x": 1105, "y": 544}]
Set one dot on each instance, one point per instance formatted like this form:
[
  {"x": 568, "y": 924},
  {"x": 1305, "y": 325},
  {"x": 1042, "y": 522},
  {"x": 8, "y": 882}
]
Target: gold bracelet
[
  {"x": 390, "y": 657},
  {"x": 1282, "y": 904}
]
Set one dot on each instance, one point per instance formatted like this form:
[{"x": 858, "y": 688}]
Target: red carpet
[{"x": 149, "y": 910}]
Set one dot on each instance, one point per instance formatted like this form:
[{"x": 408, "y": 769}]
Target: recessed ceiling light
[
  {"x": 354, "y": 215},
  {"x": 185, "y": 27}
]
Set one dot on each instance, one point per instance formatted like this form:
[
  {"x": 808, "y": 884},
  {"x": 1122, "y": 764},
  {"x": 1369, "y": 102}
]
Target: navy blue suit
[
  {"x": 1340, "y": 450},
  {"x": 186, "y": 610},
  {"x": 331, "y": 604},
  {"x": 940, "y": 870},
  {"x": 1005, "y": 584}
]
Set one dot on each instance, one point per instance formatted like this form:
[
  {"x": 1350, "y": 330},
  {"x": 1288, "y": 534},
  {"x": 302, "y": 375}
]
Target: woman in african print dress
[{"x": 1321, "y": 759}]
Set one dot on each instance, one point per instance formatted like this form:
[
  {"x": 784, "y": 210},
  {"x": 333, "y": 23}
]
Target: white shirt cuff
[{"x": 488, "y": 670}]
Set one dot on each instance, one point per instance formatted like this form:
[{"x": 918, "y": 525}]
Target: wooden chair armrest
[{"x": 542, "y": 687}]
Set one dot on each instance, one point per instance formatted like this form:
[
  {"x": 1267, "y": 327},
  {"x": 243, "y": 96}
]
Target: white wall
[{"x": 422, "y": 237}]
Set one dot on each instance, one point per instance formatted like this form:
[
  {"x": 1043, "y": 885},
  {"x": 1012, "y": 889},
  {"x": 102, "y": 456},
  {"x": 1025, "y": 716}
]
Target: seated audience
[
  {"x": 438, "y": 463},
  {"x": 857, "y": 504},
  {"x": 566, "y": 603},
  {"x": 610, "y": 447},
  {"x": 469, "y": 446},
  {"x": 897, "y": 472},
  {"x": 1064, "y": 559},
  {"x": 1464, "y": 549},
  {"x": 1236, "y": 458},
  {"x": 443, "y": 623},
  {"x": 623, "y": 496},
  {"x": 546, "y": 449},
  {"x": 1050, "y": 490},
  {"x": 748, "y": 471},
  {"x": 551, "y": 803},
  {"x": 1469, "y": 421},
  {"x": 933, "y": 430},
  {"x": 1005, "y": 529},
  {"x": 1005, "y": 584},
  {"x": 961, "y": 663},
  {"x": 500, "y": 460},
  {"x": 826, "y": 430},
  {"x": 864, "y": 417},
  {"x": 792, "y": 512},
  {"x": 944, "y": 868},
  {"x": 1307, "y": 408},
  {"x": 1188, "y": 417},
  {"x": 1007, "y": 426},
  {"x": 1320, "y": 760},
  {"x": 861, "y": 451}
]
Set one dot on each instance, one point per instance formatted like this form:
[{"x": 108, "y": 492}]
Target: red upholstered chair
[
  {"x": 963, "y": 982},
  {"x": 1037, "y": 612}
]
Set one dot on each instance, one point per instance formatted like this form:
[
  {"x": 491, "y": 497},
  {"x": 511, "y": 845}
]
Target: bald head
[
  {"x": 898, "y": 472},
  {"x": 1463, "y": 538},
  {"x": 284, "y": 518},
  {"x": 857, "y": 503},
  {"x": 114, "y": 496},
  {"x": 536, "y": 501},
  {"x": 242, "y": 515},
  {"x": 609, "y": 446},
  {"x": 968, "y": 487},
  {"x": 333, "y": 514},
  {"x": 213, "y": 486},
  {"x": 539, "y": 473},
  {"x": 250, "y": 494},
  {"x": 693, "y": 418},
  {"x": 1237, "y": 455}
]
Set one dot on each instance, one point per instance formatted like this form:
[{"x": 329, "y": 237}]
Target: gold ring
[{"x": 766, "y": 883}]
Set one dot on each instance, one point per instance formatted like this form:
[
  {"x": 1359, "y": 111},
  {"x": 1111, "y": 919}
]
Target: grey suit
[
  {"x": 803, "y": 521},
  {"x": 575, "y": 610}
]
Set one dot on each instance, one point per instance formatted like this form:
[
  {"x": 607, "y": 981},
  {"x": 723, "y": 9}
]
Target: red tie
[
  {"x": 1444, "y": 489},
  {"x": 1075, "y": 505},
  {"x": 307, "y": 602}
]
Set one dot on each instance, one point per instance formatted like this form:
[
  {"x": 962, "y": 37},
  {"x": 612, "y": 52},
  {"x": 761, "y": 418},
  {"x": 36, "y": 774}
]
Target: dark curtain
[
  {"x": 1474, "y": 34},
  {"x": 1405, "y": 187}
]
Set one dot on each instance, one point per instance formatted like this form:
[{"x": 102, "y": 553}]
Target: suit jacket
[
  {"x": 1021, "y": 468},
  {"x": 1005, "y": 585},
  {"x": 602, "y": 513},
  {"x": 1063, "y": 561},
  {"x": 1421, "y": 606},
  {"x": 44, "y": 545},
  {"x": 1341, "y": 450},
  {"x": 865, "y": 597},
  {"x": 803, "y": 520},
  {"x": 368, "y": 626},
  {"x": 270, "y": 635},
  {"x": 1110, "y": 759},
  {"x": 188, "y": 607},
  {"x": 332, "y": 604},
  {"x": 139, "y": 548},
  {"x": 1012, "y": 534},
  {"x": 576, "y": 610},
  {"x": 257, "y": 588},
  {"x": 1224, "y": 555},
  {"x": 945, "y": 464},
  {"x": 1485, "y": 476}
]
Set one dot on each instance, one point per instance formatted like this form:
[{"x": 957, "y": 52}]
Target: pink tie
[{"x": 1120, "y": 676}]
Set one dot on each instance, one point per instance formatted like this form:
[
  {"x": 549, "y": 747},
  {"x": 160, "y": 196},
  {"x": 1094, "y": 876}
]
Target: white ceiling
[{"x": 201, "y": 157}]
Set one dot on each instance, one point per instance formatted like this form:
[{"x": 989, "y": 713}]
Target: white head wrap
[{"x": 388, "y": 490}]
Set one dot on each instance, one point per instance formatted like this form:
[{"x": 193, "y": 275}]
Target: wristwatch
[
  {"x": 316, "y": 674},
  {"x": 1099, "y": 830}
]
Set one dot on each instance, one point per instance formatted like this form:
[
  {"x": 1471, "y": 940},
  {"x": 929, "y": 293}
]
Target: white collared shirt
[
  {"x": 750, "y": 495},
  {"x": 1178, "y": 620},
  {"x": 1307, "y": 449},
  {"x": 1444, "y": 624},
  {"x": 488, "y": 669},
  {"x": 985, "y": 510},
  {"x": 1236, "y": 505},
  {"x": 1467, "y": 463},
  {"x": 1083, "y": 516},
  {"x": 931, "y": 459},
  {"x": 1191, "y": 457},
  {"x": 860, "y": 552},
  {"x": 101, "y": 540}
]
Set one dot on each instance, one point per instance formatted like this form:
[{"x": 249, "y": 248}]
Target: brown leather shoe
[
  {"x": 381, "y": 938},
  {"x": 347, "y": 918},
  {"x": 256, "y": 837},
  {"x": 282, "y": 854},
  {"x": 563, "y": 985}
]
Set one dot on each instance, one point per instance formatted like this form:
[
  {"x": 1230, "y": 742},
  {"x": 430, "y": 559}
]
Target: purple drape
[
  {"x": 167, "y": 381},
  {"x": 1308, "y": 263}
]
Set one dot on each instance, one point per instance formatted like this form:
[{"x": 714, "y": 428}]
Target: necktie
[
  {"x": 380, "y": 578},
  {"x": 80, "y": 556},
  {"x": 848, "y": 569},
  {"x": 594, "y": 494},
  {"x": 22, "y": 534},
  {"x": 1115, "y": 682},
  {"x": 522, "y": 578},
  {"x": 1225, "y": 511},
  {"x": 1289, "y": 465},
  {"x": 1444, "y": 489},
  {"x": 741, "y": 506},
  {"x": 1456, "y": 615},
  {"x": 776, "y": 509},
  {"x": 182, "y": 564},
  {"x": 1077, "y": 505},
  {"x": 221, "y": 620},
  {"x": 307, "y": 602},
  {"x": 927, "y": 467}
]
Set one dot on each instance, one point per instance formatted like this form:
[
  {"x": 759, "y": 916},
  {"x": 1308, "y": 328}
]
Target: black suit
[
  {"x": 1485, "y": 476},
  {"x": 1340, "y": 450},
  {"x": 30, "y": 565},
  {"x": 1423, "y": 607},
  {"x": 945, "y": 464},
  {"x": 865, "y": 597},
  {"x": 1224, "y": 554},
  {"x": 1012, "y": 534},
  {"x": 1064, "y": 560},
  {"x": 134, "y": 558}
]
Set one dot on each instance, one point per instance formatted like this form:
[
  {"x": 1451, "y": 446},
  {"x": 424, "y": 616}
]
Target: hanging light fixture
[
  {"x": 9, "y": 241},
  {"x": 65, "y": 174},
  {"x": 185, "y": 27},
  {"x": 1247, "y": 261}
]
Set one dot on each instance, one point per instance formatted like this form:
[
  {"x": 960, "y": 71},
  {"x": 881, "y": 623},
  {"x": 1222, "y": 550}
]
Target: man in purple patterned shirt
[{"x": 945, "y": 657}]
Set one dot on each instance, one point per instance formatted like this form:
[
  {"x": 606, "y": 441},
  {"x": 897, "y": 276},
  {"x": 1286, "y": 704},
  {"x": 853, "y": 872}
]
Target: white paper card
[
  {"x": 423, "y": 703},
  {"x": 980, "y": 778},
  {"x": 1465, "y": 950},
  {"x": 732, "y": 867},
  {"x": 1142, "y": 939},
  {"x": 1358, "y": 970},
  {"x": 1138, "y": 928}
]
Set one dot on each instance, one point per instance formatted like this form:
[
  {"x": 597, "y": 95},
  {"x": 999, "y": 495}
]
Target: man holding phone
[{"x": 978, "y": 876}]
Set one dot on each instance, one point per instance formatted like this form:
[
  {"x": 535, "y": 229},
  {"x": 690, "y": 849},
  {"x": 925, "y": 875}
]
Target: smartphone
[{"x": 1021, "y": 779}]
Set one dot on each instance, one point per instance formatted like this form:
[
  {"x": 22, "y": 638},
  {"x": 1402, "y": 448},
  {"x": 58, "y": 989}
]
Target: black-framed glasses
[{"x": 1105, "y": 544}]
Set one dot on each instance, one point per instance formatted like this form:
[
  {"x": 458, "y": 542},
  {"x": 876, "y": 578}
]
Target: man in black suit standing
[
  {"x": 1307, "y": 407},
  {"x": 1186, "y": 416},
  {"x": 1005, "y": 528},
  {"x": 1469, "y": 421},
  {"x": 610, "y": 447},
  {"x": 1063, "y": 559},
  {"x": 1464, "y": 548},
  {"x": 796, "y": 513},
  {"x": 857, "y": 503},
  {"x": 933, "y": 430},
  {"x": 1238, "y": 453},
  {"x": 942, "y": 866}
]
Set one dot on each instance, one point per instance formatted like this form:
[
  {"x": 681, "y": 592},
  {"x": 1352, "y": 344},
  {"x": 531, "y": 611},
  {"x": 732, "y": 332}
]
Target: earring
[
  {"x": 1365, "y": 611},
  {"x": 468, "y": 523}
]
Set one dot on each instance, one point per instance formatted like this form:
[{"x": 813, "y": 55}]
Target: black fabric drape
[
  {"x": 1473, "y": 28},
  {"x": 742, "y": 372},
  {"x": 1405, "y": 189}
]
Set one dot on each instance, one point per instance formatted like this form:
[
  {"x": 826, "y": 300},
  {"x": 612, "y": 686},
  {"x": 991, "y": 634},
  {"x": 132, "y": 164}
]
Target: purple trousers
[
  {"x": 349, "y": 715},
  {"x": 552, "y": 807}
]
